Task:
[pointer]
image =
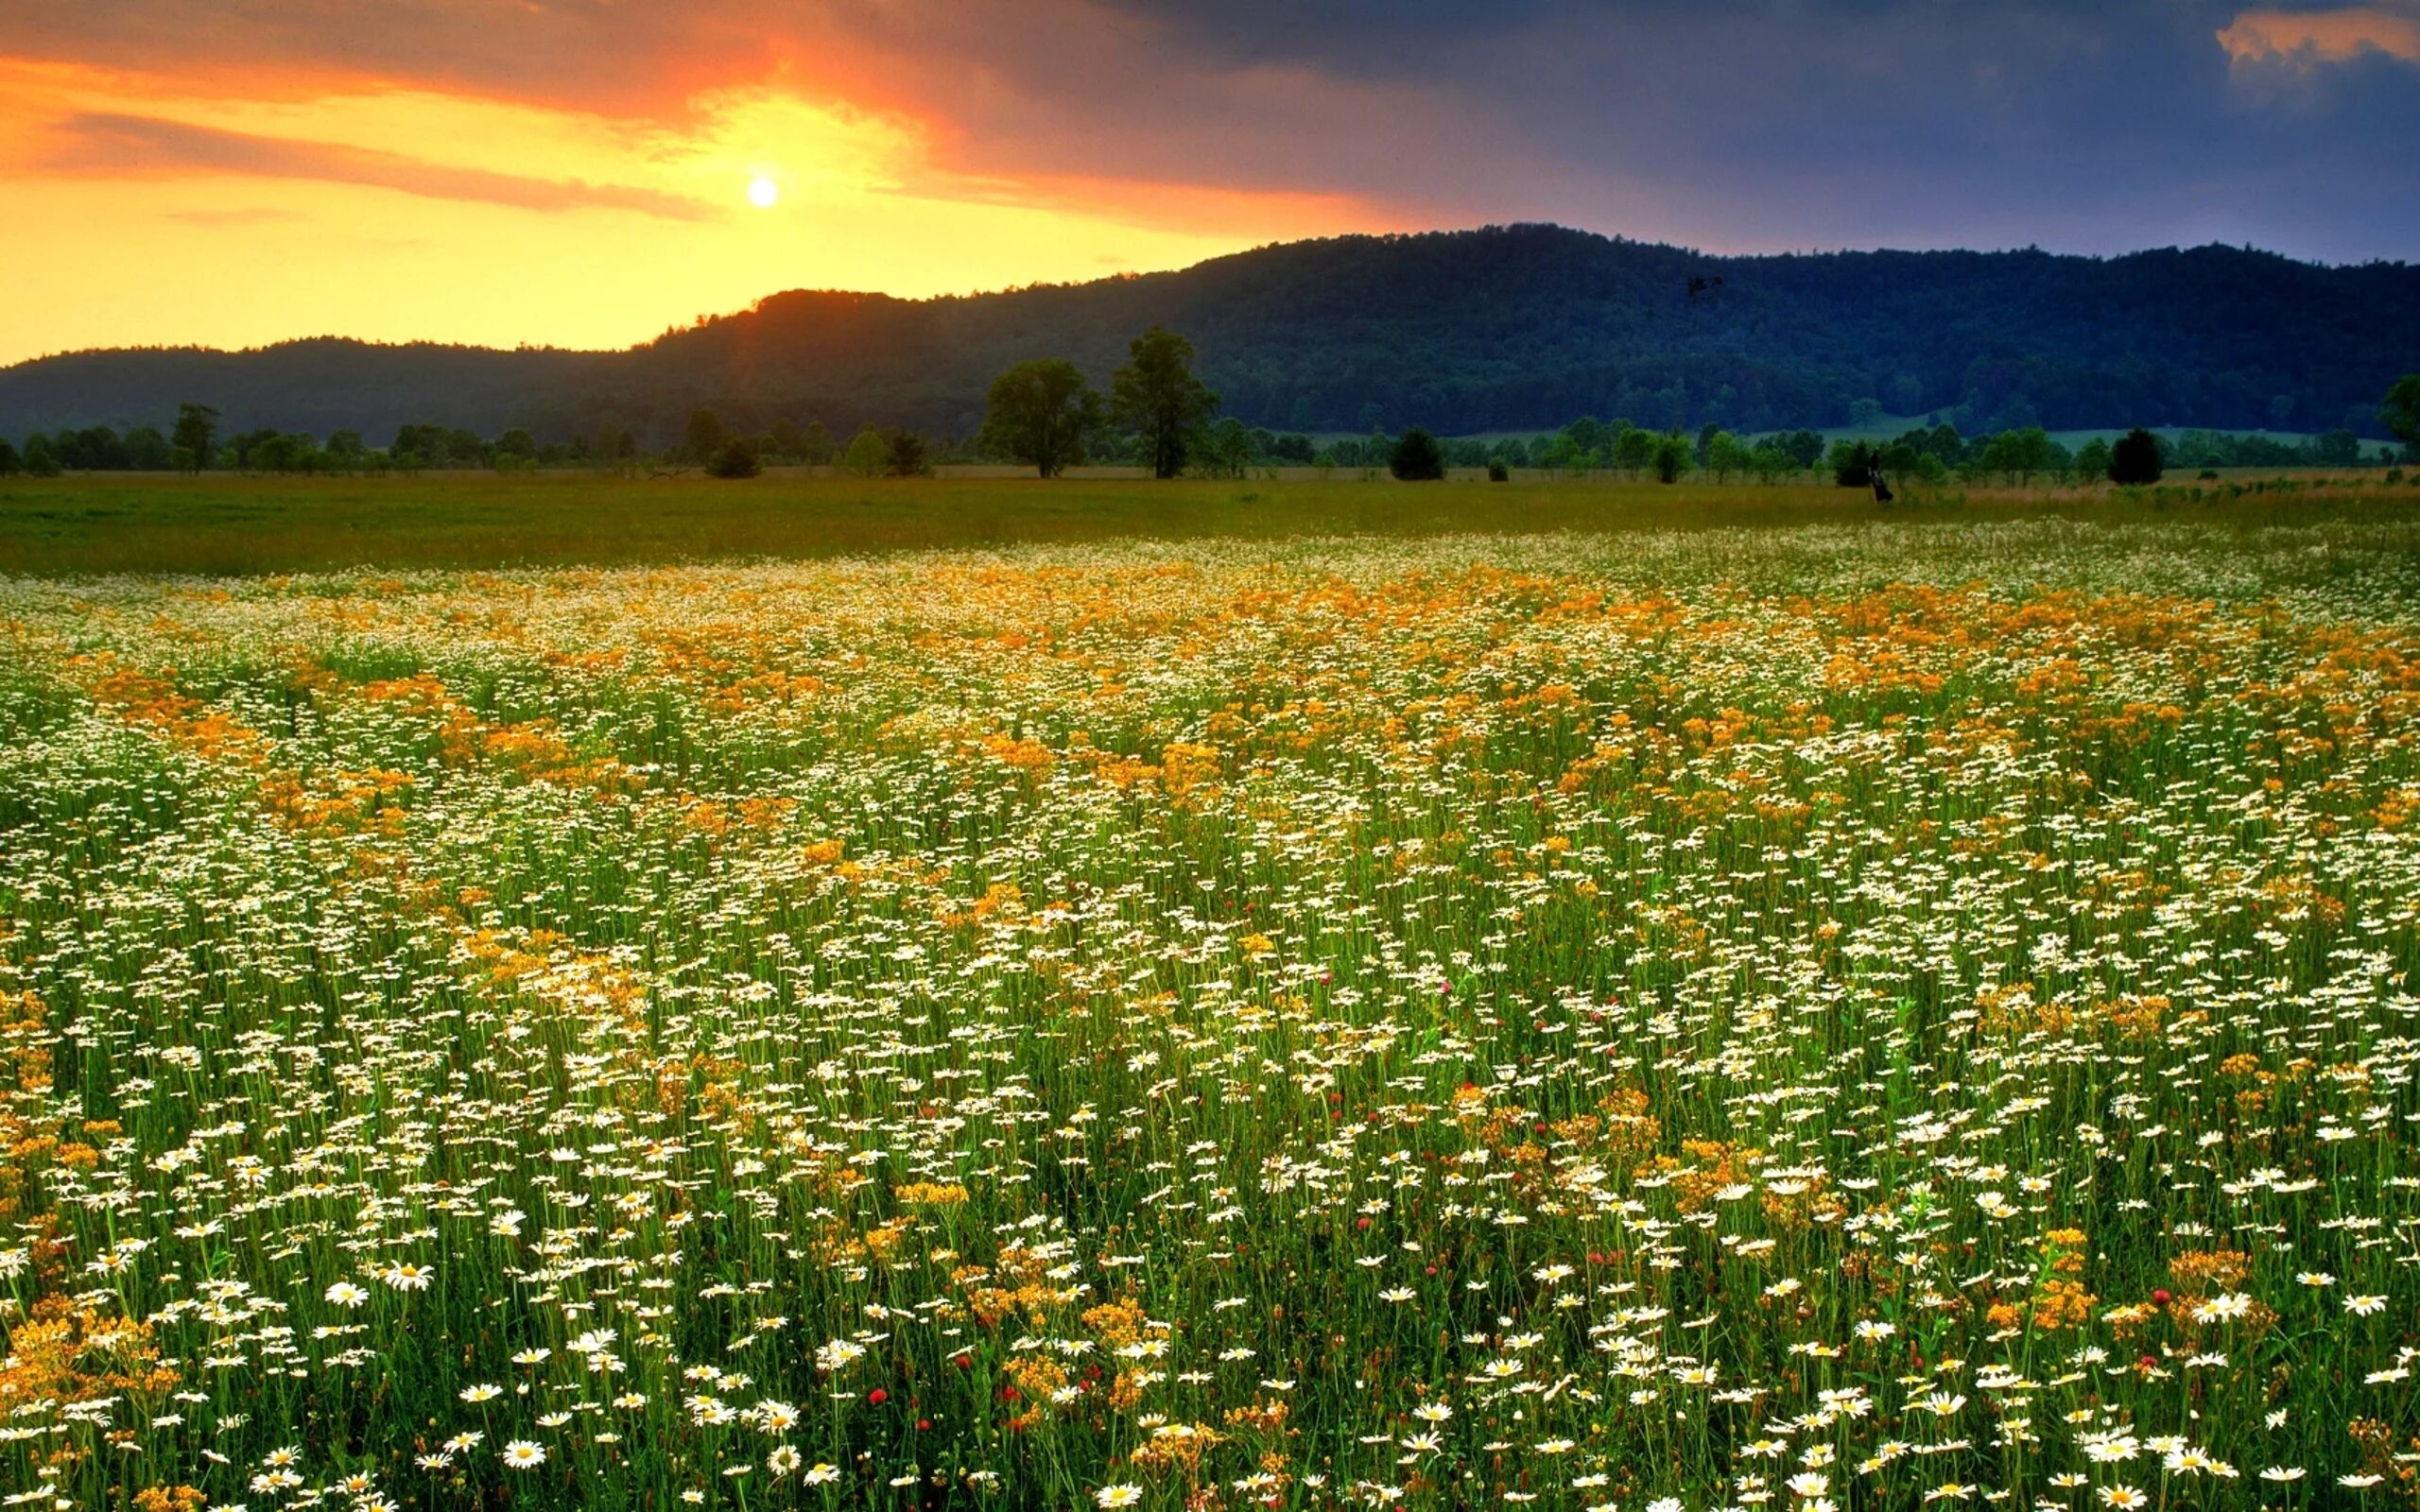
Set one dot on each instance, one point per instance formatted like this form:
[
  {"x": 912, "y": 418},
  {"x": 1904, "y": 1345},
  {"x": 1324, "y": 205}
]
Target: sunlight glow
[{"x": 762, "y": 192}]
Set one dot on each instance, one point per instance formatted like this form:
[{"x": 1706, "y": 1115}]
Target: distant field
[{"x": 216, "y": 524}]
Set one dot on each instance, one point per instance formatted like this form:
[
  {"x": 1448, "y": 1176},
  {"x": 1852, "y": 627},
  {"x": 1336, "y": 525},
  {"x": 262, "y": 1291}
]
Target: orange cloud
[
  {"x": 2336, "y": 36},
  {"x": 138, "y": 146}
]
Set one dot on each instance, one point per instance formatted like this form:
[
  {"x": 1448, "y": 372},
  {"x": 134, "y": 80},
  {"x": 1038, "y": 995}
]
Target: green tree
[
  {"x": 1852, "y": 464},
  {"x": 1042, "y": 413},
  {"x": 1726, "y": 454},
  {"x": 1158, "y": 397},
  {"x": 10, "y": 463},
  {"x": 868, "y": 455},
  {"x": 2137, "y": 458},
  {"x": 40, "y": 460},
  {"x": 147, "y": 449},
  {"x": 1416, "y": 457},
  {"x": 703, "y": 435},
  {"x": 1673, "y": 455},
  {"x": 2401, "y": 411},
  {"x": 516, "y": 443},
  {"x": 1224, "y": 451},
  {"x": 1634, "y": 449},
  {"x": 197, "y": 431},
  {"x": 816, "y": 447},
  {"x": 2092, "y": 462},
  {"x": 736, "y": 458}
]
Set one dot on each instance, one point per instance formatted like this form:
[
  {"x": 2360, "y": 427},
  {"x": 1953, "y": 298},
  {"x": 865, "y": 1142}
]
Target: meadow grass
[
  {"x": 1853, "y": 1012},
  {"x": 105, "y": 523}
]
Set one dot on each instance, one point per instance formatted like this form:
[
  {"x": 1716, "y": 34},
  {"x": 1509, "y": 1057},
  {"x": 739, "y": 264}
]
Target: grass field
[
  {"x": 1738, "y": 1002},
  {"x": 105, "y": 523}
]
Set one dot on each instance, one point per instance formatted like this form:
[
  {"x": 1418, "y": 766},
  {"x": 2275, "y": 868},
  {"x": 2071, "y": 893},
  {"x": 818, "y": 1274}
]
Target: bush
[
  {"x": 1417, "y": 458},
  {"x": 734, "y": 458},
  {"x": 1498, "y": 472},
  {"x": 2137, "y": 458}
]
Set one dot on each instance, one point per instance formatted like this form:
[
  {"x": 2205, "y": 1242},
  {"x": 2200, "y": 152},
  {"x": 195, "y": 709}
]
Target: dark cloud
[
  {"x": 2090, "y": 125},
  {"x": 140, "y": 145}
]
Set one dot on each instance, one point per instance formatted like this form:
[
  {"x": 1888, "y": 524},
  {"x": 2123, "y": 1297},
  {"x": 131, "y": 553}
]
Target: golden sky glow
[
  {"x": 149, "y": 212},
  {"x": 584, "y": 172}
]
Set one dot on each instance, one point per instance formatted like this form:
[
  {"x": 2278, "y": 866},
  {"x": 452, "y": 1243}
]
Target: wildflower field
[{"x": 1854, "y": 1016}]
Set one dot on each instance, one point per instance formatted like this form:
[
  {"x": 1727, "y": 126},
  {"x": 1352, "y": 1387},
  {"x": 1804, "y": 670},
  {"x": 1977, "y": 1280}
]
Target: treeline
[{"x": 1161, "y": 415}]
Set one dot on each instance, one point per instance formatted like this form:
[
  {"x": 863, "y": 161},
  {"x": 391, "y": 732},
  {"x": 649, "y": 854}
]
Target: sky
[{"x": 587, "y": 173}]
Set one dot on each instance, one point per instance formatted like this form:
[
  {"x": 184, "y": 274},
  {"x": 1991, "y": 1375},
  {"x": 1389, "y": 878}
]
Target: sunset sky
[{"x": 579, "y": 172}]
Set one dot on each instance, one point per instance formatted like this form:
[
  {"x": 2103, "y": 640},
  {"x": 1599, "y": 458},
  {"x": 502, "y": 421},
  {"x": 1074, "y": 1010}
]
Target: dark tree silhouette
[
  {"x": 1157, "y": 396},
  {"x": 1417, "y": 458},
  {"x": 2137, "y": 458},
  {"x": 197, "y": 431},
  {"x": 2401, "y": 412},
  {"x": 703, "y": 437},
  {"x": 736, "y": 458},
  {"x": 906, "y": 454}
]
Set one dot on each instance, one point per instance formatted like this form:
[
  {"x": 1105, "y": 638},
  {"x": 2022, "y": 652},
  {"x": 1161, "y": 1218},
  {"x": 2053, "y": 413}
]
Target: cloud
[
  {"x": 2091, "y": 124},
  {"x": 134, "y": 144},
  {"x": 2340, "y": 35}
]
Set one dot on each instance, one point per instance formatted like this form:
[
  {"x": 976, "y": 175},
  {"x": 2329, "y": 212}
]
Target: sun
[{"x": 762, "y": 192}]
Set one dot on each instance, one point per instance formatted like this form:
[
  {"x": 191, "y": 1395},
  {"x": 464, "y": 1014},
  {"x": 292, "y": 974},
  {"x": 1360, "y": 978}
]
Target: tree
[
  {"x": 10, "y": 463},
  {"x": 197, "y": 430},
  {"x": 1224, "y": 451},
  {"x": 2137, "y": 458},
  {"x": 2401, "y": 412},
  {"x": 1042, "y": 413},
  {"x": 736, "y": 458},
  {"x": 2092, "y": 462},
  {"x": 149, "y": 451},
  {"x": 903, "y": 454},
  {"x": 1157, "y": 396},
  {"x": 1633, "y": 450},
  {"x": 816, "y": 447},
  {"x": 515, "y": 443},
  {"x": 1673, "y": 456},
  {"x": 703, "y": 435},
  {"x": 868, "y": 455},
  {"x": 1417, "y": 458},
  {"x": 1852, "y": 464},
  {"x": 2338, "y": 448},
  {"x": 40, "y": 460},
  {"x": 1726, "y": 454}
]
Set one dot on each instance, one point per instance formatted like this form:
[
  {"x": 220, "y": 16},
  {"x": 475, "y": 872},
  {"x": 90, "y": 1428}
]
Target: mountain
[{"x": 1522, "y": 327}]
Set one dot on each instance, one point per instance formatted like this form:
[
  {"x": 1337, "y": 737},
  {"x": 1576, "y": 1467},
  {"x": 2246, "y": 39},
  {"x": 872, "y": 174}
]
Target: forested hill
[{"x": 1508, "y": 328}]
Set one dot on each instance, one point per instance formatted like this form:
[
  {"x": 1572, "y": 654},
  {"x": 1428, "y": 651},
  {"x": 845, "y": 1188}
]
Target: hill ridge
[{"x": 1498, "y": 328}]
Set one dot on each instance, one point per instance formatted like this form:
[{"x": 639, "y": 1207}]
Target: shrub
[{"x": 734, "y": 458}]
